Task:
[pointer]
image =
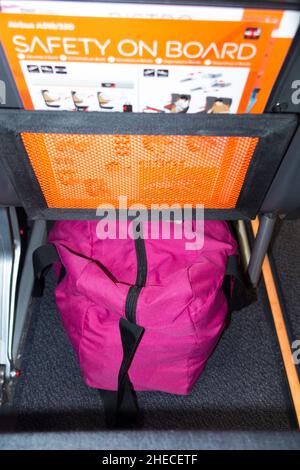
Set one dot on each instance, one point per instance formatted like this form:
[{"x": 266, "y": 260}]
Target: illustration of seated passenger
[
  {"x": 216, "y": 105},
  {"x": 50, "y": 100},
  {"x": 179, "y": 103},
  {"x": 78, "y": 101},
  {"x": 103, "y": 102}
]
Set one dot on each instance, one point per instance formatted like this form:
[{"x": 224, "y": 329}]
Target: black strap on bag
[
  {"x": 43, "y": 258},
  {"x": 241, "y": 295},
  {"x": 121, "y": 407}
]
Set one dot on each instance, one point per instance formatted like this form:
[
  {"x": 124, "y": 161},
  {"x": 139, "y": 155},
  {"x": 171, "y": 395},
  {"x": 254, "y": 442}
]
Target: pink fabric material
[{"x": 182, "y": 307}]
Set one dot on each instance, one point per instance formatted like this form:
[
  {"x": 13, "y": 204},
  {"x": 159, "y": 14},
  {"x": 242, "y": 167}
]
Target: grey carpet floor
[
  {"x": 286, "y": 256},
  {"x": 242, "y": 388}
]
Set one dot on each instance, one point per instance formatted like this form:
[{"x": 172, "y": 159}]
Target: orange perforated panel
[{"x": 84, "y": 171}]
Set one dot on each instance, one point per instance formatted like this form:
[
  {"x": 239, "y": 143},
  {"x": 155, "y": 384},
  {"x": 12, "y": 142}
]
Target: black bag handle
[
  {"x": 121, "y": 407},
  {"x": 242, "y": 294},
  {"x": 43, "y": 258}
]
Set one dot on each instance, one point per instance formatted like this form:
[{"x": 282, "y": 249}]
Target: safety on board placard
[{"x": 144, "y": 58}]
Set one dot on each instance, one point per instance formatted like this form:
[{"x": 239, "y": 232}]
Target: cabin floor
[{"x": 242, "y": 393}]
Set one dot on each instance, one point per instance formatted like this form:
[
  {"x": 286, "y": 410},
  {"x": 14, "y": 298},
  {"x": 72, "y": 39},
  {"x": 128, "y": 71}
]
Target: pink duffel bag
[{"x": 144, "y": 313}]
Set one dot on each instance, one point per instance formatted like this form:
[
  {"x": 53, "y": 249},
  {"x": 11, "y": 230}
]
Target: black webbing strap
[
  {"x": 241, "y": 294},
  {"x": 43, "y": 258},
  {"x": 121, "y": 407}
]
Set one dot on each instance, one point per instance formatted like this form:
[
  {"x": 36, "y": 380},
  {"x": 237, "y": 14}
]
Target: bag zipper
[{"x": 141, "y": 277}]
